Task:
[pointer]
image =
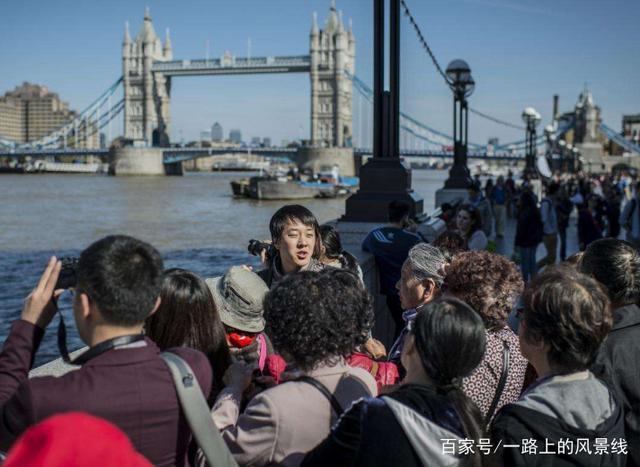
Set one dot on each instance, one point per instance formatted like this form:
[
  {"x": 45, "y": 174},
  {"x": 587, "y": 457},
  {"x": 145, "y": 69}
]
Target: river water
[{"x": 193, "y": 220}]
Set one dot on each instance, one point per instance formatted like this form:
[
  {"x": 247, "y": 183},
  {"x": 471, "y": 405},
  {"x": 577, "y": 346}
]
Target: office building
[{"x": 31, "y": 111}]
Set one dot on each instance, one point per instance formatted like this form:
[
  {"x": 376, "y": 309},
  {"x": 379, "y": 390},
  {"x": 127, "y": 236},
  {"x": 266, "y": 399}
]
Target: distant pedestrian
[
  {"x": 529, "y": 232},
  {"x": 510, "y": 186},
  {"x": 630, "y": 217},
  {"x": 564, "y": 206},
  {"x": 478, "y": 201},
  {"x": 498, "y": 198},
  {"x": 613, "y": 201},
  {"x": 589, "y": 229},
  {"x": 469, "y": 224},
  {"x": 549, "y": 225}
]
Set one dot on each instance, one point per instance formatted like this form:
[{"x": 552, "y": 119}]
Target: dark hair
[
  {"x": 315, "y": 317},
  {"x": 568, "y": 311},
  {"x": 528, "y": 200},
  {"x": 291, "y": 213},
  {"x": 122, "y": 276},
  {"x": 451, "y": 341},
  {"x": 575, "y": 260},
  {"x": 616, "y": 265},
  {"x": 474, "y": 214},
  {"x": 333, "y": 248},
  {"x": 398, "y": 210},
  {"x": 450, "y": 243},
  {"x": 488, "y": 282},
  {"x": 187, "y": 316},
  {"x": 553, "y": 188}
]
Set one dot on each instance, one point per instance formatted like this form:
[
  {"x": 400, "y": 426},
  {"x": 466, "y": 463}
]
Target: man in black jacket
[{"x": 616, "y": 265}]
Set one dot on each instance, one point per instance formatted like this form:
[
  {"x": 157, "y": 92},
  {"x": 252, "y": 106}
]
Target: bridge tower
[
  {"x": 146, "y": 94},
  {"x": 332, "y": 53}
]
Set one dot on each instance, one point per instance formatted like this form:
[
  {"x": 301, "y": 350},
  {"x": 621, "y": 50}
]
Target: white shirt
[{"x": 478, "y": 240}]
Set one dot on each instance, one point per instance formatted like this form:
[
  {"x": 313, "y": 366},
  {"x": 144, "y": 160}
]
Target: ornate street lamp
[
  {"x": 462, "y": 85},
  {"x": 531, "y": 118}
]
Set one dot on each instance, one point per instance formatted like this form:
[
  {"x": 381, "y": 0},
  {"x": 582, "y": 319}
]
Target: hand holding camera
[
  {"x": 39, "y": 306},
  {"x": 265, "y": 250}
]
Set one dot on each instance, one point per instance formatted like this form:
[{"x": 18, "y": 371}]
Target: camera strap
[{"x": 94, "y": 351}]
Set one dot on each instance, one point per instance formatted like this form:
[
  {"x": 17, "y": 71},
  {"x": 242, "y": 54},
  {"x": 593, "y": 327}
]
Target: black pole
[
  {"x": 466, "y": 130},
  {"x": 385, "y": 177},
  {"x": 394, "y": 79},
  {"x": 378, "y": 76}
]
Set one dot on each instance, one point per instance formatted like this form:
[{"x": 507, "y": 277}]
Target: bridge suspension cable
[
  {"x": 424, "y": 43},
  {"x": 495, "y": 120}
]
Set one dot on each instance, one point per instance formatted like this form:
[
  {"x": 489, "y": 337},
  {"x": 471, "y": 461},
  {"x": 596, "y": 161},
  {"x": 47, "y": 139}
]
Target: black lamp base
[{"x": 382, "y": 180}]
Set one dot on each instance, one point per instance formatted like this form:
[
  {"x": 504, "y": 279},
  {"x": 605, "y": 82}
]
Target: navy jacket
[
  {"x": 130, "y": 387},
  {"x": 390, "y": 246}
]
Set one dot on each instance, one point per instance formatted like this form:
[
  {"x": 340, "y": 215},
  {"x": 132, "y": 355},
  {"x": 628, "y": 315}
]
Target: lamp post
[
  {"x": 575, "y": 157},
  {"x": 550, "y": 137},
  {"x": 531, "y": 118},
  {"x": 462, "y": 85},
  {"x": 385, "y": 177}
]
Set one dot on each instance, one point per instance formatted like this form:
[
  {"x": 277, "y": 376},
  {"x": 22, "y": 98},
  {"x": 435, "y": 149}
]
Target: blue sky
[{"x": 521, "y": 53}]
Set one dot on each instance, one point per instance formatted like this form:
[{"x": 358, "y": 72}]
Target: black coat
[
  {"x": 515, "y": 424},
  {"x": 529, "y": 228},
  {"x": 369, "y": 435},
  {"x": 618, "y": 362}
]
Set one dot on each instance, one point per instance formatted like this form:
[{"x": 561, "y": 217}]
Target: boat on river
[{"x": 287, "y": 187}]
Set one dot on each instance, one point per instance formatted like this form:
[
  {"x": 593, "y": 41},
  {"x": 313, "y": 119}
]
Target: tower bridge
[
  {"x": 148, "y": 67},
  {"x": 340, "y": 112}
]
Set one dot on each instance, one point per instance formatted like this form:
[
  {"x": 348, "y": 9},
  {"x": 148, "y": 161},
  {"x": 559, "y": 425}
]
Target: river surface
[{"x": 193, "y": 220}]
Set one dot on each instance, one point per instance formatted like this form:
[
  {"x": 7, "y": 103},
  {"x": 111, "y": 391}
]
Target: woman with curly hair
[
  {"x": 490, "y": 284},
  {"x": 407, "y": 427},
  {"x": 469, "y": 224},
  {"x": 314, "y": 320}
]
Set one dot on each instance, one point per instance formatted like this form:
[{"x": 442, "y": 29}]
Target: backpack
[{"x": 385, "y": 373}]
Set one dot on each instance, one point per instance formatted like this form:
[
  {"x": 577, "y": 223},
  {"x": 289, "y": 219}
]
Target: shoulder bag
[
  {"x": 501, "y": 383},
  {"x": 197, "y": 413}
]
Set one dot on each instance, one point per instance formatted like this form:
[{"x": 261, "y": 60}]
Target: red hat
[{"x": 74, "y": 439}]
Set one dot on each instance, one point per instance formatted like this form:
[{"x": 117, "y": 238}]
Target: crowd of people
[{"x": 487, "y": 363}]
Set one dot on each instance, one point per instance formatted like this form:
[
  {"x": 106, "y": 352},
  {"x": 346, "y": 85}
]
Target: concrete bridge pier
[
  {"x": 131, "y": 160},
  {"x": 315, "y": 158}
]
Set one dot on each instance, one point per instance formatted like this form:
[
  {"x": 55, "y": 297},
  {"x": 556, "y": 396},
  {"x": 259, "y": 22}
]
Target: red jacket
[{"x": 130, "y": 387}]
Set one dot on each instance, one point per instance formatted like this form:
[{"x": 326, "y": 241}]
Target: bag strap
[
  {"x": 501, "y": 382},
  {"x": 197, "y": 412},
  {"x": 325, "y": 392}
]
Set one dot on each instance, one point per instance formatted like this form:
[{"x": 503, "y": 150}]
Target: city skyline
[{"x": 514, "y": 67}]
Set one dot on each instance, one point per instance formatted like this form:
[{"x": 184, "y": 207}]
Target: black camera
[
  {"x": 256, "y": 247},
  {"x": 67, "y": 277}
]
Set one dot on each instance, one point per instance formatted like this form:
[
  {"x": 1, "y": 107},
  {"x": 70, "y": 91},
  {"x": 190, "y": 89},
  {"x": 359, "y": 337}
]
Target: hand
[
  {"x": 265, "y": 382},
  {"x": 238, "y": 375},
  {"x": 375, "y": 348},
  {"x": 263, "y": 255},
  {"x": 39, "y": 306}
]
